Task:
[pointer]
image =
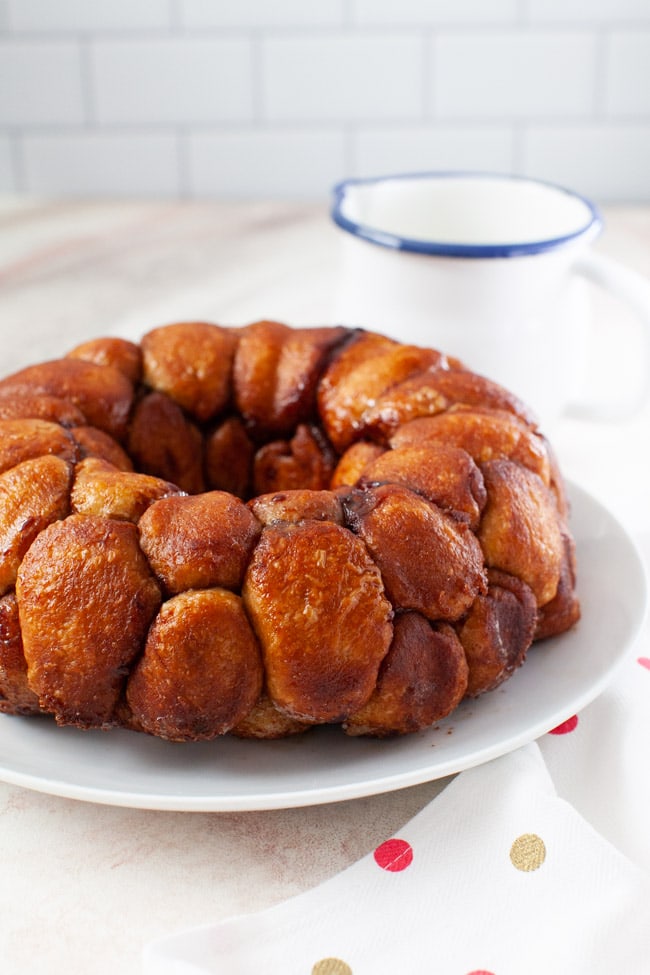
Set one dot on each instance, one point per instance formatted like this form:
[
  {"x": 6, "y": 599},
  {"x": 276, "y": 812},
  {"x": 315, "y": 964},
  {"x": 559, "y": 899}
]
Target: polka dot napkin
[
  {"x": 499, "y": 875},
  {"x": 537, "y": 863}
]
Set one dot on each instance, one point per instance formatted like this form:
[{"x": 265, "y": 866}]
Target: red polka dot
[
  {"x": 394, "y": 855},
  {"x": 645, "y": 662},
  {"x": 569, "y": 725}
]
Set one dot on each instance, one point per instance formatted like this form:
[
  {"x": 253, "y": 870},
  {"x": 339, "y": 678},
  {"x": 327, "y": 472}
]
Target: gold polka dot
[
  {"x": 331, "y": 966},
  {"x": 528, "y": 852}
]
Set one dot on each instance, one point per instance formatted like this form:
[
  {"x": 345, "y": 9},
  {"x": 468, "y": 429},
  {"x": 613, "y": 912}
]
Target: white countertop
[{"x": 84, "y": 886}]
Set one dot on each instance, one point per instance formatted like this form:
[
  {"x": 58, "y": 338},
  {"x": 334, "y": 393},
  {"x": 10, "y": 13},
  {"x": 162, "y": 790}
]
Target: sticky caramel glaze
[
  {"x": 429, "y": 561},
  {"x": 32, "y": 495},
  {"x": 16, "y": 696},
  {"x": 102, "y": 394},
  {"x": 86, "y": 599},
  {"x": 497, "y": 632},
  {"x": 318, "y": 607},
  {"x": 421, "y": 680},
  {"x": 200, "y": 673},
  {"x": 381, "y": 527}
]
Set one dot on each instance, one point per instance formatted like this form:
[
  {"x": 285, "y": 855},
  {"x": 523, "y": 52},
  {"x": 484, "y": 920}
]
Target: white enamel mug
[{"x": 492, "y": 269}]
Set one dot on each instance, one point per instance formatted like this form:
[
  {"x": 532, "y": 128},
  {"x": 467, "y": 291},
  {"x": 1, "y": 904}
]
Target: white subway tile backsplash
[
  {"x": 588, "y": 11},
  {"x": 7, "y": 181},
  {"x": 102, "y": 164},
  {"x": 434, "y": 12},
  {"x": 280, "y": 163},
  {"x": 399, "y": 149},
  {"x": 175, "y": 80},
  {"x": 341, "y": 77},
  {"x": 628, "y": 73},
  {"x": 607, "y": 162},
  {"x": 88, "y": 15},
  {"x": 514, "y": 74},
  {"x": 40, "y": 83},
  {"x": 253, "y": 98},
  {"x": 260, "y": 13}
]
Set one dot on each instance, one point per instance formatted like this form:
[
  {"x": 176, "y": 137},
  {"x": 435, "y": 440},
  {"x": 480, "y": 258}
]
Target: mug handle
[{"x": 634, "y": 290}]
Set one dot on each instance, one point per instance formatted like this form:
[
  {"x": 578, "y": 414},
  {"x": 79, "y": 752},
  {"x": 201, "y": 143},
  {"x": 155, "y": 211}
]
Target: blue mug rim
[{"x": 445, "y": 248}]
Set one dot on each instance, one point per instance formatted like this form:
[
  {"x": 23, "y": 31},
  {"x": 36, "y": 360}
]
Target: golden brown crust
[
  {"x": 165, "y": 444},
  {"x": 276, "y": 372},
  {"x": 383, "y": 480},
  {"x": 429, "y": 562},
  {"x": 519, "y": 530},
  {"x": 318, "y": 607},
  {"x": 92, "y": 442},
  {"x": 484, "y": 433},
  {"x": 421, "y": 680},
  {"x": 191, "y": 362},
  {"x": 305, "y": 461},
  {"x": 22, "y": 403},
  {"x": 101, "y": 489},
  {"x": 229, "y": 453},
  {"x": 103, "y": 394},
  {"x": 364, "y": 371},
  {"x": 16, "y": 696},
  {"x": 265, "y": 721},
  {"x": 295, "y": 506},
  {"x": 497, "y": 632},
  {"x": 200, "y": 673},
  {"x": 30, "y": 438},
  {"x": 121, "y": 354},
  {"x": 199, "y": 542},
  {"x": 353, "y": 463},
  {"x": 86, "y": 598},
  {"x": 32, "y": 495},
  {"x": 439, "y": 472}
]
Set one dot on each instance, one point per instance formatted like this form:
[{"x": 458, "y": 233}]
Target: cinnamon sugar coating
[{"x": 259, "y": 529}]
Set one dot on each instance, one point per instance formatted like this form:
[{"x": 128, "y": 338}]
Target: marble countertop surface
[{"x": 84, "y": 886}]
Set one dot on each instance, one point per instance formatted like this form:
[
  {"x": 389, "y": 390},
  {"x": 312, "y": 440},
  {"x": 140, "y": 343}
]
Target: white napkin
[{"x": 511, "y": 870}]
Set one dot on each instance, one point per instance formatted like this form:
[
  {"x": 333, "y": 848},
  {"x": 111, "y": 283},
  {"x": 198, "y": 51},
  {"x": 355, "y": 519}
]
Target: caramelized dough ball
[
  {"x": 198, "y": 542},
  {"x": 86, "y": 598},
  {"x": 276, "y": 372},
  {"x": 201, "y": 671},
  {"x": 32, "y": 495},
  {"x": 26, "y": 439},
  {"x": 192, "y": 363},
  {"x": 101, "y": 489},
  {"x": 429, "y": 562},
  {"x": 416, "y": 396},
  {"x": 317, "y": 603},
  {"x": 95, "y": 443},
  {"x": 121, "y": 354},
  {"x": 421, "y": 680},
  {"x": 468, "y": 388},
  {"x": 229, "y": 453},
  {"x": 164, "y": 443},
  {"x": 305, "y": 461},
  {"x": 358, "y": 376},
  {"x": 21, "y": 403},
  {"x": 16, "y": 697},
  {"x": 103, "y": 394},
  {"x": 295, "y": 506},
  {"x": 563, "y": 611},
  {"x": 497, "y": 632},
  {"x": 519, "y": 530},
  {"x": 485, "y": 434},
  {"x": 443, "y": 474},
  {"x": 265, "y": 721},
  {"x": 353, "y": 463}
]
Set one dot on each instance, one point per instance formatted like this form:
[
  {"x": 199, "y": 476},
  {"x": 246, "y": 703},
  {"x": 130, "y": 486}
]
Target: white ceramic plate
[{"x": 559, "y": 678}]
